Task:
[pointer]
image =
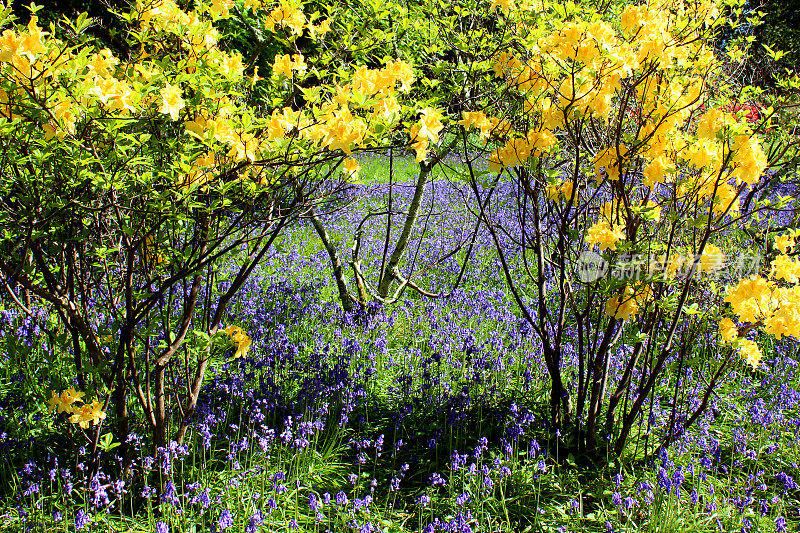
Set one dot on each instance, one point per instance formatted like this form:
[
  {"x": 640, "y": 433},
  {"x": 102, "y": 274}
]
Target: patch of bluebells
[{"x": 429, "y": 397}]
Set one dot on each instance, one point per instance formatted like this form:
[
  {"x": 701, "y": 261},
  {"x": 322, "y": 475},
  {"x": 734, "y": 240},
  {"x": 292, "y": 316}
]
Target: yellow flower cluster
[
  {"x": 605, "y": 235},
  {"x": 786, "y": 268},
  {"x": 171, "y": 101},
  {"x": 83, "y": 415},
  {"x": 23, "y": 51},
  {"x": 518, "y": 150},
  {"x": 751, "y": 352},
  {"x": 784, "y": 243},
  {"x": 712, "y": 259},
  {"x": 240, "y": 339},
  {"x": 773, "y": 303},
  {"x": 559, "y": 190},
  {"x": 751, "y": 299},
  {"x": 334, "y": 125},
  {"x": 477, "y": 119},
  {"x": 656, "y": 170},
  {"x": 350, "y": 167},
  {"x": 425, "y": 131},
  {"x": 505, "y": 5},
  {"x": 728, "y": 330},
  {"x": 629, "y": 301},
  {"x": 164, "y": 80},
  {"x": 749, "y": 160},
  {"x": 611, "y": 160},
  {"x": 286, "y": 65},
  {"x": 337, "y": 129}
]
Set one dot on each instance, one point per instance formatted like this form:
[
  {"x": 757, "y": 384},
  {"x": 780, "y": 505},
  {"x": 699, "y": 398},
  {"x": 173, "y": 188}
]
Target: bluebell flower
[
  {"x": 225, "y": 520},
  {"x": 81, "y": 520},
  {"x": 437, "y": 480}
]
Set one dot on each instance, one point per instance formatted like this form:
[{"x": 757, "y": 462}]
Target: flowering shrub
[
  {"x": 617, "y": 128},
  {"x": 128, "y": 180}
]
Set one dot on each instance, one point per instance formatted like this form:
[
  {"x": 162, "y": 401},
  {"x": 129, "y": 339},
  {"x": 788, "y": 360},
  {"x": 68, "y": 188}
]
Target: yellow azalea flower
[
  {"x": 364, "y": 80},
  {"x": 605, "y": 236},
  {"x": 784, "y": 267},
  {"x": 54, "y": 401},
  {"x": 105, "y": 89},
  {"x": 654, "y": 172},
  {"x": 784, "y": 243},
  {"x": 552, "y": 191},
  {"x": 240, "y": 339},
  {"x": 728, "y": 330},
  {"x": 63, "y": 402},
  {"x": 321, "y": 29},
  {"x": 255, "y": 78},
  {"x": 350, "y": 167},
  {"x": 607, "y": 159},
  {"x": 287, "y": 16},
  {"x": 556, "y": 190},
  {"x": 751, "y": 353},
  {"x": 622, "y": 306},
  {"x": 703, "y": 154},
  {"x": 513, "y": 154},
  {"x": 674, "y": 265},
  {"x": 87, "y": 414},
  {"x": 63, "y": 111},
  {"x": 283, "y": 66},
  {"x": 342, "y": 131},
  {"x": 171, "y": 101},
  {"x": 11, "y": 46},
  {"x": 32, "y": 41},
  {"x": 5, "y": 105},
  {"x": 712, "y": 258},
  {"x": 472, "y": 119},
  {"x": 402, "y": 72},
  {"x": 505, "y": 6},
  {"x": 785, "y": 321},
  {"x": 244, "y": 147},
  {"x": 231, "y": 66},
  {"x": 726, "y": 200},
  {"x": 477, "y": 119},
  {"x": 632, "y": 19},
  {"x": 541, "y": 140},
  {"x": 712, "y": 122},
  {"x": 199, "y": 126},
  {"x": 505, "y": 62},
  {"x": 102, "y": 62},
  {"x": 751, "y": 299},
  {"x": 299, "y": 63},
  {"x": 749, "y": 161},
  {"x": 418, "y": 144},
  {"x": 221, "y": 8},
  {"x": 386, "y": 107},
  {"x": 430, "y": 124},
  {"x": 567, "y": 187}
]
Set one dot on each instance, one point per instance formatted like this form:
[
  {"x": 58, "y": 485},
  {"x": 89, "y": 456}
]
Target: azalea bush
[
  {"x": 128, "y": 181},
  {"x": 617, "y": 128}
]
